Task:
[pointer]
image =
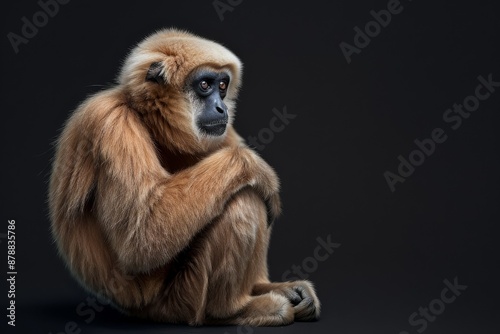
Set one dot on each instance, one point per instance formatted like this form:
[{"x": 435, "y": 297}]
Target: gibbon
[{"x": 156, "y": 202}]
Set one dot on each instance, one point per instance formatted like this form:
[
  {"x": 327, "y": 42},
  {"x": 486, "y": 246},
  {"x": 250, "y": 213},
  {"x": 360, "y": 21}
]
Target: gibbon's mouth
[{"x": 214, "y": 128}]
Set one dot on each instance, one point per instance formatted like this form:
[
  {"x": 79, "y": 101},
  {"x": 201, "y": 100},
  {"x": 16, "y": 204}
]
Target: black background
[{"x": 353, "y": 121}]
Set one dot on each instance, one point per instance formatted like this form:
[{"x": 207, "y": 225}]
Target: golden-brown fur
[{"x": 167, "y": 222}]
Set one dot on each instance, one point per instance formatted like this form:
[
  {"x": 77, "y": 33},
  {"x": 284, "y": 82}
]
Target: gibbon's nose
[{"x": 221, "y": 107}]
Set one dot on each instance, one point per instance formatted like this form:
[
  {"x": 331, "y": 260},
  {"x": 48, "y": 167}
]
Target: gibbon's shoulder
[
  {"x": 103, "y": 119},
  {"x": 100, "y": 110},
  {"x": 101, "y": 105}
]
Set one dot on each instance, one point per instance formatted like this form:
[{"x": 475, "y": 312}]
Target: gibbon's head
[{"x": 184, "y": 86}]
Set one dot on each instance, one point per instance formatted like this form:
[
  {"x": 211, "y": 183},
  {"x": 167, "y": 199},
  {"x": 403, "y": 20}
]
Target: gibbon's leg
[
  {"x": 242, "y": 235},
  {"x": 216, "y": 274},
  {"x": 301, "y": 294}
]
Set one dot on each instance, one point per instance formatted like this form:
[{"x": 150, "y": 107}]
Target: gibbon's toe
[
  {"x": 302, "y": 298},
  {"x": 308, "y": 309}
]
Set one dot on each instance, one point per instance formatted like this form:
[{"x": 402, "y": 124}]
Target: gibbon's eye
[
  {"x": 222, "y": 85},
  {"x": 204, "y": 85}
]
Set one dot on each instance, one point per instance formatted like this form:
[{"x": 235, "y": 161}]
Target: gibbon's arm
[
  {"x": 149, "y": 215},
  {"x": 273, "y": 202}
]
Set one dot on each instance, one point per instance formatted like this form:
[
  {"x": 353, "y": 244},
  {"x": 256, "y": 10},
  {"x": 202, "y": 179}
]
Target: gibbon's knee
[{"x": 242, "y": 224}]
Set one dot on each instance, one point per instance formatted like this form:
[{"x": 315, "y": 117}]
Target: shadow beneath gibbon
[
  {"x": 63, "y": 317},
  {"x": 82, "y": 317}
]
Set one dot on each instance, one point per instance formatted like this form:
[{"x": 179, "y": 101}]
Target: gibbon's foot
[
  {"x": 300, "y": 294},
  {"x": 270, "y": 309}
]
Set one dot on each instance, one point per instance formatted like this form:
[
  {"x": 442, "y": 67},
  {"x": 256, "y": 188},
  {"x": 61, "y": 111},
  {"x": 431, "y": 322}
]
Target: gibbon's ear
[{"x": 154, "y": 73}]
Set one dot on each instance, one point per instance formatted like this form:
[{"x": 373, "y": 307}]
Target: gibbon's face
[
  {"x": 185, "y": 87},
  {"x": 208, "y": 89}
]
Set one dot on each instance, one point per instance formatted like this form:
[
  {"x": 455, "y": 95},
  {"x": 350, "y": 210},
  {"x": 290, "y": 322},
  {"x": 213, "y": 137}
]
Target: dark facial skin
[{"x": 211, "y": 88}]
